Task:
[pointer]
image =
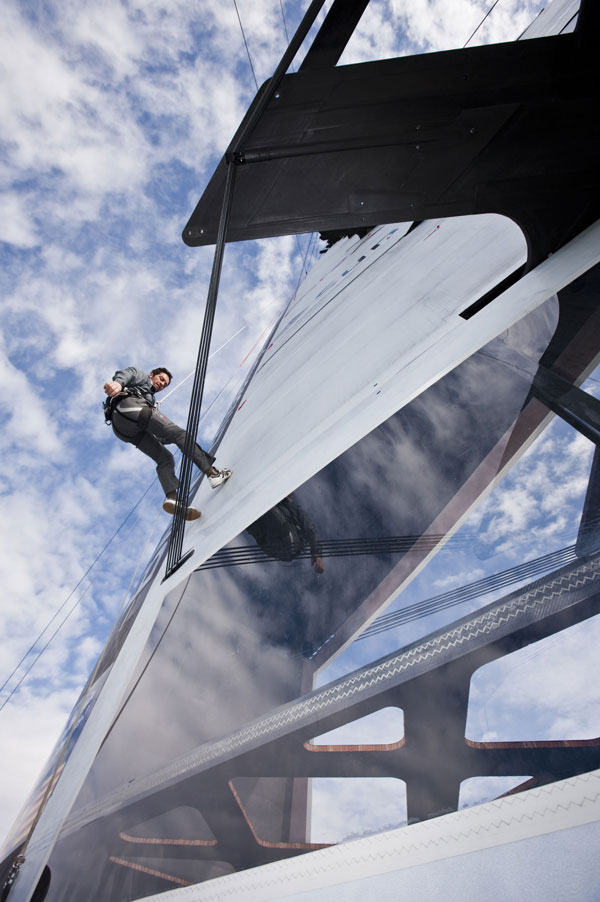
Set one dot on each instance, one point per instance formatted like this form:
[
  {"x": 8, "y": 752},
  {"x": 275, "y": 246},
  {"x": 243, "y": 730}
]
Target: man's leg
[
  {"x": 165, "y": 470},
  {"x": 126, "y": 428},
  {"x": 164, "y": 460},
  {"x": 166, "y": 431}
]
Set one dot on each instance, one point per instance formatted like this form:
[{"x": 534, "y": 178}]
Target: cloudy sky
[{"x": 114, "y": 115}]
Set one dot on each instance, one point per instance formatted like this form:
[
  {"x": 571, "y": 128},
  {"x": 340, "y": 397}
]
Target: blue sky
[{"x": 114, "y": 116}]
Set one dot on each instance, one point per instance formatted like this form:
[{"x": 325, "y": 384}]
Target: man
[
  {"x": 285, "y": 530},
  {"x": 137, "y": 420}
]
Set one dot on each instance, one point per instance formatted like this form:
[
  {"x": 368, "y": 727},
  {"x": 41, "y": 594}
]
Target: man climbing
[
  {"x": 284, "y": 532},
  {"x": 136, "y": 419}
]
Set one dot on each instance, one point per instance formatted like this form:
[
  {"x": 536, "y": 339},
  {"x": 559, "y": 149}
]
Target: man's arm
[
  {"x": 123, "y": 379},
  {"x": 310, "y": 534},
  {"x": 113, "y": 388}
]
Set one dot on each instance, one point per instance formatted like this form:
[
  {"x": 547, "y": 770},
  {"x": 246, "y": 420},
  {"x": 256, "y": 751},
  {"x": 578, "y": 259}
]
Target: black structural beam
[
  {"x": 588, "y": 538},
  {"x": 574, "y": 406},
  {"x": 335, "y": 32},
  {"x": 507, "y": 128},
  {"x": 175, "y": 556}
]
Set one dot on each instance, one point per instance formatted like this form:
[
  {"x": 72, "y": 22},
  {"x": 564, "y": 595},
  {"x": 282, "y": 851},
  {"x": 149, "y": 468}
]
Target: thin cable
[
  {"x": 287, "y": 37},
  {"x": 502, "y": 580},
  {"x": 303, "y": 271},
  {"x": 89, "y": 569},
  {"x": 481, "y": 23},
  {"x": 178, "y": 528},
  {"x": 64, "y": 620},
  {"x": 123, "y": 603},
  {"x": 137, "y": 567},
  {"x": 246, "y": 43},
  {"x": 191, "y": 373},
  {"x": 42, "y": 650},
  {"x": 385, "y": 546}
]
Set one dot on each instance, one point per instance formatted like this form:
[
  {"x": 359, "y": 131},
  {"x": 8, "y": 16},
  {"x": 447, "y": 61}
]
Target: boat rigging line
[
  {"x": 65, "y": 602},
  {"x": 287, "y": 38},
  {"x": 481, "y": 23},
  {"x": 246, "y": 44},
  {"x": 100, "y": 555},
  {"x": 353, "y": 547},
  {"x": 233, "y": 158}
]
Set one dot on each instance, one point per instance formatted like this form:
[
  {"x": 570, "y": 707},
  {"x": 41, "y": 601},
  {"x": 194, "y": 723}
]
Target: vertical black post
[
  {"x": 588, "y": 538},
  {"x": 178, "y": 527},
  {"x": 574, "y": 406},
  {"x": 233, "y": 157}
]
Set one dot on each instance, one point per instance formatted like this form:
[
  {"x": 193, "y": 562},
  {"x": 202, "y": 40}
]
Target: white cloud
[
  {"x": 348, "y": 808},
  {"x": 16, "y": 221},
  {"x": 27, "y": 421},
  {"x": 115, "y": 116},
  {"x": 526, "y": 696},
  {"x": 391, "y": 28}
]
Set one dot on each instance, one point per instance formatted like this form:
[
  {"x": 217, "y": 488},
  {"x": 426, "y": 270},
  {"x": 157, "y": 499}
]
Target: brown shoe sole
[{"x": 191, "y": 513}]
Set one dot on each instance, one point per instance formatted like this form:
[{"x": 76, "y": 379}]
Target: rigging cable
[
  {"x": 71, "y": 593},
  {"x": 303, "y": 270},
  {"x": 481, "y": 23},
  {"x": 360, "y": 546},
  {"x": 104, "y": 549},
  {"x": 42, "y": 650},
  {"x": 287, "y": 37},
  {"x": 246, "y": 43},
  {"x": 255, "y": 81},
  {"x": 233, "y": 158},
  {"x": 502, "y": 580},
  {"x": 74, "y": 720},
  {"x": 191, "y": 373}
]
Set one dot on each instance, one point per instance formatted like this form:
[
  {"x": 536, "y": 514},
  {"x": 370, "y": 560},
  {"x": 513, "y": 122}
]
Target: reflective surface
[{"x": 413, "y": 632}]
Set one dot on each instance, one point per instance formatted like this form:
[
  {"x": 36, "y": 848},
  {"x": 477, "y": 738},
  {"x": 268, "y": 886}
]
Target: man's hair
[{"x": 161, "y": 369}]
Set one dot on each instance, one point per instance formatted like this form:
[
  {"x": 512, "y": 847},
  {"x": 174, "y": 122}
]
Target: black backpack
[
  {"x": 277, "y": 535},
  {"x": 108, "y": 407},
  {"x": 109, "y": 404}
]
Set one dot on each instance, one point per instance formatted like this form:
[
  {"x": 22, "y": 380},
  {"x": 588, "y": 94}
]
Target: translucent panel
[
  {"x": 343, "y": 809},
  {"x": 275, "y": 810},
  {"x": 383, "y": 728},
  {"x": 405, "y": 634},
  {"x": 477, "y": 790},
  {"x": 179, "y": 827},
  {"x": 526, "y": 696},
  {"x": 135, "y": 876}
]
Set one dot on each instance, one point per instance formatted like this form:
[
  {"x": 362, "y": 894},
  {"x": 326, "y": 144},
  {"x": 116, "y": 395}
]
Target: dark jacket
[
  {"x": 137, "y": 382},
  {"x": 284, "y": 531}
]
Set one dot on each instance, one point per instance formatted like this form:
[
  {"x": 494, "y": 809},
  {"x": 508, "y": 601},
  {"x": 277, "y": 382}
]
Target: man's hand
[
  {"x": 113, "y": 389},
  {"x": 318, "y": 564}
]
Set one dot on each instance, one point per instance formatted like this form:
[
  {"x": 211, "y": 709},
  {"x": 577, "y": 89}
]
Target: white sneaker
[
  {"x": 191, "y": 513},
  {"x": 221, "y": 477}
]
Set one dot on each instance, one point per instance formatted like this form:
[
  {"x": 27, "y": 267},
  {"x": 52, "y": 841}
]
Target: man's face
[{"x": 159, "y": 381}]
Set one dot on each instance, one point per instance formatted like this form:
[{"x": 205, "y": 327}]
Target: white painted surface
[
  {"x": 373, "y": 347},
  {"x": 554, "y": 19},
  {"x": 539, "y": 844}
]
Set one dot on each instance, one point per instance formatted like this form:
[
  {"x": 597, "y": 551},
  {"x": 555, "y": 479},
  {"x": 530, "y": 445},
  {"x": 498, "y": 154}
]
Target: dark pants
[{"x": 131, "y": 424}]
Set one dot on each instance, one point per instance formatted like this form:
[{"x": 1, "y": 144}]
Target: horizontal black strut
[{"x": 509, "y": 128}]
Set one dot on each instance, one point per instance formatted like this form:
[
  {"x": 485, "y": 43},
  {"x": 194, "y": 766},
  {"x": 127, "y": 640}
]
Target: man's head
[{"x": 160, "y": 377}]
